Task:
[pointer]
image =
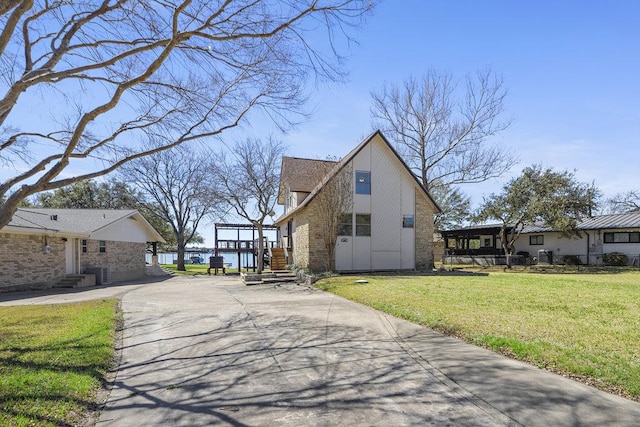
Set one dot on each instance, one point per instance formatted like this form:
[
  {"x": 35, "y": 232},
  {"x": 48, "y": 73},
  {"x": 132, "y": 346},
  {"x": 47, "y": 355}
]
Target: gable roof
[
  {"x": 342, "y": 163},
  {"x": 74, "y": 222},
  {"x": 301, "y": 175}
]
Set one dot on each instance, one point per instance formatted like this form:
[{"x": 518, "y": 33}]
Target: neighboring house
[
  {"x": 39, "y": 247},
  {"x": 600, "y": 235},
  {"x": 390, "y": 226}
]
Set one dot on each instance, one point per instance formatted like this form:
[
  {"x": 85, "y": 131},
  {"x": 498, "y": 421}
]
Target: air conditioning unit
[{"x": 102, "y": 274}]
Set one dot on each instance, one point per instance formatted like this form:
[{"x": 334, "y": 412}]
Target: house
[
  {"x": 600, "y": 235},
  {"x": 40, "y": 247},
  {"x": 390, "y": 222}
]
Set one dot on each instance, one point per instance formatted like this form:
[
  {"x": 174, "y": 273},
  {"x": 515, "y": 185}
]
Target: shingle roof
[
  {"x": 301, "y": 175},
  {"x": 72, "y": 221}
]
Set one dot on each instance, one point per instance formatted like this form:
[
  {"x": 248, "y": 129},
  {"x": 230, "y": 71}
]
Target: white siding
[
  {"x": 124, "y": 230},
  {"x": 390, "y": 246}
]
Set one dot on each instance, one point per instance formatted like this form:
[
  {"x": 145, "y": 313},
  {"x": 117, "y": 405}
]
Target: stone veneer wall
[
  {"x": 24, "y": 265},
  {"x": 318, "y": 258},
  {"x": 308, "y": 246},
  {"x": 125, "y": 260},
  {"x": 424, "y": 233},
  {"x": 301, "y": 240}
]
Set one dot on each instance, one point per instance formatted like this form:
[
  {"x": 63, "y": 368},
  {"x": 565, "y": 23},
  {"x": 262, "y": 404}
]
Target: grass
[
  {"x": 53, "y": 360},
  {"x": 582, "y": 325}
]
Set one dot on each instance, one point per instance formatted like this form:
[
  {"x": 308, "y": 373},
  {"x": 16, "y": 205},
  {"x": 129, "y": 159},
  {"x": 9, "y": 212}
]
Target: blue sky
[{"x": 571, "y": 69}]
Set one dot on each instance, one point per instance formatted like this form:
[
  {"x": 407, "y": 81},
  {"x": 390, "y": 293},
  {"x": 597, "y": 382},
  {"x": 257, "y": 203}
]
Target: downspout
[{"x": 588, "y": 240}]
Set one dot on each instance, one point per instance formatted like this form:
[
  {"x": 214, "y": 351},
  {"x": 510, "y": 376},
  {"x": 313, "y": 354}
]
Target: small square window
[
  {"x": 363, "y": 224},
  {"x": 363, "y": 182},
  {"x": 345, "y": 225},
  {"x": 102, "y": 245},
  {"x": 536, "y": 240},
  {"x": 407, "y": 221}
]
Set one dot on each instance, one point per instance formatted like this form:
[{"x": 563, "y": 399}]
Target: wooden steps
[{"x": 278, "y": 261}]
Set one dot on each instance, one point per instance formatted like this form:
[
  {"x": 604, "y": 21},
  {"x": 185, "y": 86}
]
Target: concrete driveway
[{"x": 200, "y": 351}]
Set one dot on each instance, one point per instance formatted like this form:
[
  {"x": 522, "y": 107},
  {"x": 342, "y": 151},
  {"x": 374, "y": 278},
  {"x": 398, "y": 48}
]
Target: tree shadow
[{"x": 275, "y": 360}]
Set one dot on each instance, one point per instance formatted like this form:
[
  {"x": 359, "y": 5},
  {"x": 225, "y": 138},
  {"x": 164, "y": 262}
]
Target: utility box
[{"x": 101, "y": 273}]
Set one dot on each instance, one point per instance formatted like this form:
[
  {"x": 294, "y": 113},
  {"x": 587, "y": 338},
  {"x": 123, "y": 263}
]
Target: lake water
[{"x": 230, "y": 259}]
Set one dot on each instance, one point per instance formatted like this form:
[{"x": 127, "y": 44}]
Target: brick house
[
  {"x": 390, "y": 223},
  {"x": 40, "y": 247}
]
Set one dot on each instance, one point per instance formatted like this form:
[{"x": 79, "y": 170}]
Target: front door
[{"x": 70, "y": 256}]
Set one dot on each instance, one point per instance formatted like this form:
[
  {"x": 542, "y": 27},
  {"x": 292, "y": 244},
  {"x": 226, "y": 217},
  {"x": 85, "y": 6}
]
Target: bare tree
[
  {"x": 443, "y": 135},
  {"x": 336, "y": 200},
  {"x": 248, "y": 180},
  {"x": 625, "y": 202},
  {"x": 178, "y": 189},
  {"x": 114, "y": 74}
]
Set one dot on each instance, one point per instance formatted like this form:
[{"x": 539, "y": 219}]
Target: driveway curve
[
  {"x": 200, "y": 351},
  {"x": 204, "y": 351}
]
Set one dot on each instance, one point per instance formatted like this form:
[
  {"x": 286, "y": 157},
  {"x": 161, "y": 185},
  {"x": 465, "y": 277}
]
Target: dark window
[
  {"x": 536, "y": 240},
  {"x": 363, "y": 182},
  {"x": 102, "y": 245},
  {"x": 633, "y": 237},
  {"x": 487, "y": 242},
  {"x": 407, "y": 221},
  {"x": 363, "y": 224},
  {"x": 84, "y": 246},
  {"x": 345, "y": 225}
]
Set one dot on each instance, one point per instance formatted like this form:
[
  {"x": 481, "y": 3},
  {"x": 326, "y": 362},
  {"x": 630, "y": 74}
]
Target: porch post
[{"x": 154, "y": 253}]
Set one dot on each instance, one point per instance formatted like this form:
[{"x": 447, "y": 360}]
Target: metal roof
[{"x": 600, "y": 222}]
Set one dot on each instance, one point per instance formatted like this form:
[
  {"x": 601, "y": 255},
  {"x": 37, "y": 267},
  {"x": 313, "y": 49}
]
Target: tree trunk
[
  {"x": 180, "y": 266},
  {"x": 260, "y": 247},
  {"x": 508, "y": 249}
]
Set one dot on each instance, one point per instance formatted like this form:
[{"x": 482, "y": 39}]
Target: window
[
  {"x": 363, "y": 224},
  {"x": 84, "y": 246},
  {"x": 633, "y": 237},
  {"x": 102, "y": 245},
  {"x": 363, "y": 182},
  {"x": 407, "y": 221},
  {"x": 536, "y": 240},
  {"x": 487, "y": 242},
  {"x": 345, "y": 225}
]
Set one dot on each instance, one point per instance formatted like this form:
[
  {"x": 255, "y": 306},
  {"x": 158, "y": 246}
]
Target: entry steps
[
  {"x": 76, "y": 281},
  {"x": 275, "y": 276}
]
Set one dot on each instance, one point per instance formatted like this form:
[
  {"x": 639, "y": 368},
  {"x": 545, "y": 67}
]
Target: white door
[
  {"x": 70, "y": 256},
  {"x": 344, "y": 253}
]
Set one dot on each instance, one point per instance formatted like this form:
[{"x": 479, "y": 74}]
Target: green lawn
[
  {"x": 52, "y": 361},
  {"x": 584, "y": 325}
]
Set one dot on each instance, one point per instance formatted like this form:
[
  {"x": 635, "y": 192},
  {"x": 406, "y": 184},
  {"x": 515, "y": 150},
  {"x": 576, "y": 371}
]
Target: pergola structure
[
  {"x": 458, "y": 242},
  {"x": 242, "y": 245}
]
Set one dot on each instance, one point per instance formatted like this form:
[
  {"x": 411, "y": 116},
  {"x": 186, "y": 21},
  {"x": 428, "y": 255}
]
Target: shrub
[
  {"x": 615, "y": 258},
  {"x": 570, "y": 260}
]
